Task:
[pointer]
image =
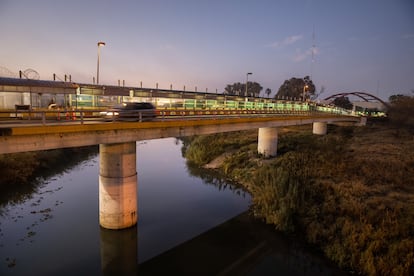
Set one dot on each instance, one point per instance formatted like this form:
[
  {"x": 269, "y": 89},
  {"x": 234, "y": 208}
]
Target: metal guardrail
[{"x": 47, "y": 116}]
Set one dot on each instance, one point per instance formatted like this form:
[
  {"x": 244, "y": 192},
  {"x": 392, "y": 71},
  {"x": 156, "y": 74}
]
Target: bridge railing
[
  {"x": 63, "y": 115},
  {"x": 45, "y": 116}
]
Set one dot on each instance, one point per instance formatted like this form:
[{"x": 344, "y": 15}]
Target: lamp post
[
  {"x": 100, "y": 43},
  {"x": 247, "y": 80},
  {"x": 305, "y": 87}
]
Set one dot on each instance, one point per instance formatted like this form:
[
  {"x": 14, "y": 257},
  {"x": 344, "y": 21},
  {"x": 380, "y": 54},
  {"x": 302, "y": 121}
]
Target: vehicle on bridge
[{"x": 131, "y": 111}]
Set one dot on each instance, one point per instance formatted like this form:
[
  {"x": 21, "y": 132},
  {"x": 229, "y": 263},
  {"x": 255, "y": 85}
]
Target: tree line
[{"x": 294, "y": 88}]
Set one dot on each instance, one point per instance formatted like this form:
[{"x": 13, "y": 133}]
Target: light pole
[
  {"x": 100, "y": 43},
  {"x": 247, "y": 80},
  {"x": 304, "y": 91}
]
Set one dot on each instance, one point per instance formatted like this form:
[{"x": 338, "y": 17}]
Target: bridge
[
  {"x": 117, "y": 144},
  {"x": 368, "y": 104},
  {"x": 367, "y": 97},
  {"x": 117, "y": 149}
]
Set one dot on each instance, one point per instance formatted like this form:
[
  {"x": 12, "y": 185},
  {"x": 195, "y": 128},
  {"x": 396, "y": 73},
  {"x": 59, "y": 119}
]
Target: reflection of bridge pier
[{"x": 119, "y": 251}]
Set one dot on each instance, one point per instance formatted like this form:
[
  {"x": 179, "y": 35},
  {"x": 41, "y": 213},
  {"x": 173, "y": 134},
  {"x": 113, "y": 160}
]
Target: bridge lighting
[
  {"x": 100, "y": 43},
  {"x": 247, "y": 80}
]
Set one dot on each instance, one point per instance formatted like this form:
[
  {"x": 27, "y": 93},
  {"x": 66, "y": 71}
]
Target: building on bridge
[{"x": 39, "y": 94}]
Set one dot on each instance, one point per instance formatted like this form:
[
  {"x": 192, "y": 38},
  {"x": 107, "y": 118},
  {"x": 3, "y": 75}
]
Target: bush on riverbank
[
  {"x": 205, "y": 148},
  {"x": 350, "y": 193}
]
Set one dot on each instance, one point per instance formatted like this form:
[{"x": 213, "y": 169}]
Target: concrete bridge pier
[
  {"x": 362, "y": 122},
  {"x": 267, "y": 141},
  {"x": 320, "y": 128},
  {"x": 117, "y": 185}
]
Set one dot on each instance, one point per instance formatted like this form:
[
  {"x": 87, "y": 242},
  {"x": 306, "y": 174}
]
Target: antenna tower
[{"x": 313, "y": 51}]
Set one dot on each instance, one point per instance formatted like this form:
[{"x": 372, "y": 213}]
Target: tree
[
  {"x": 343, "y": 102},
  {"x": 398, "y": 98},
  {"x": 296, "y": 88},
  {"x": 268, "y": 91},
  {"x": 235, "y": 89},
  {"x": 401, "y": 111},
  {"x": 253, "y": 89}
]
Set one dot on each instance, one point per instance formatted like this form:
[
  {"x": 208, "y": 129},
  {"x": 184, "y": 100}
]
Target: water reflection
[
  {"x": 55, "y": 230},
  {"x": 214, "y": 178},
  {"x": 119, "y": 251},
  {"x": 177, "y": 205},
  {"x": 50, "y": 164}
]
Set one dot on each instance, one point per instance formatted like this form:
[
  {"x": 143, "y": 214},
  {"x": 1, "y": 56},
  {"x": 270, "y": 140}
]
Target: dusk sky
[{"x": 359, "y": 45}]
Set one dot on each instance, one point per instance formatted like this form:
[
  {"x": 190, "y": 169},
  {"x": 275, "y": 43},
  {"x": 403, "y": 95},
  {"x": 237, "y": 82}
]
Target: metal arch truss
[{"x": 363, "y": 95}]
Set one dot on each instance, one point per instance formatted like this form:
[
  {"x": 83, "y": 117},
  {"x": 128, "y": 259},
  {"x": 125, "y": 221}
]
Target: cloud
[
  {"x": 302, "y": 55},
  {"x": 287, "y": 41}
]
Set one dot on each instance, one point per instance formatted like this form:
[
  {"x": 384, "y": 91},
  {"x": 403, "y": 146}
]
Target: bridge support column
[
  {"x": 363, "y": 121},
  {"x": 267, "y": 141},
  {"x": 320, "y": 128},
  {"x": 117, "y": 185}
]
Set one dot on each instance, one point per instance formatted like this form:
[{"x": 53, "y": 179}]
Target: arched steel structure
[{"x": 363, "y": 95}]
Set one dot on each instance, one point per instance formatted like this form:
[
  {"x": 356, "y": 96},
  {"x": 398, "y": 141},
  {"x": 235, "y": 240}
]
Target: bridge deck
[
  {"x": 39, "y": 137},
  {"x": 30, "y": 129}
]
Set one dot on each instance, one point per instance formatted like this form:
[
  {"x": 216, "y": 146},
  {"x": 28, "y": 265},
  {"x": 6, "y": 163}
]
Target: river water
[{"x": 56, "y": 231}]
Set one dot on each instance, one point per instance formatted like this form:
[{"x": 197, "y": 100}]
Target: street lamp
[
  {"x": 247, "y": 79},
  {"x": 304, "y": 91},
  {"x": 100, "y": 43}
]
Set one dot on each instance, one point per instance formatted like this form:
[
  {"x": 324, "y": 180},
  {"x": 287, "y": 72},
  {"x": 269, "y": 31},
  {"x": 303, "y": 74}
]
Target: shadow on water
[{"x": 240, "y": 246}]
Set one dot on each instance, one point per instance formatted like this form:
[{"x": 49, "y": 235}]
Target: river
[{"x": 56, "y": 231}]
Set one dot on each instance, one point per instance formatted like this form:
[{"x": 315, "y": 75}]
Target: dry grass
[{"x": 351, "y": 193}]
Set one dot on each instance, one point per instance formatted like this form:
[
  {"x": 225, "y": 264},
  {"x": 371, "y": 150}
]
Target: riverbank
[{"x": 349, "y": 193}]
